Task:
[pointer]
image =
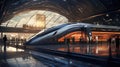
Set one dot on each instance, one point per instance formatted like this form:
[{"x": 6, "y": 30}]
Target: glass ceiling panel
[
  {"x": 22, "y": 21},
  {"x": 30, "y": 17},
  {"x": 12, "y": 23},
  {"x": 4, "y": 24},
  {"x": 32, "y": 20}
]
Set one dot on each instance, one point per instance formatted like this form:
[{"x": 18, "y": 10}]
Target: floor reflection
[
  {"x": 12, "y": 49},
  {"x": 92, "y": 49},
  {"x": 27, "y": 61},
  {"x": 15, "y": 57},
  {"x": 97, "y": 49}
]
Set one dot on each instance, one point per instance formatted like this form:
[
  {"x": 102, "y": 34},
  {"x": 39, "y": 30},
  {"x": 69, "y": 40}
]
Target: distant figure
[
  {"x": 73, "y": 40},
  {"x": 80, "y": 39},
  {"x": 117, "y": 45},
  {"x": 109, "y": 43},
  {"x": 65, "y": 40},
  {"x": 68, "y": 40},
  {"x": 110, "y": 40},
  {"x": 113, "y": 40},
  {"x": 4, "y": 39},
  {"x": 117, "y": 41},
  {"x": 4, "y": 42}
]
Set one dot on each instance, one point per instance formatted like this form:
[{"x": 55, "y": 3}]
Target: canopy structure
[
  {"x": 19, "y": 13},
  {"x": 36, "y": 18}
]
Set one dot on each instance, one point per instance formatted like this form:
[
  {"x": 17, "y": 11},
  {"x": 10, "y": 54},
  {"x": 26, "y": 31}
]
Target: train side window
[{"x": 54, "y": 32}]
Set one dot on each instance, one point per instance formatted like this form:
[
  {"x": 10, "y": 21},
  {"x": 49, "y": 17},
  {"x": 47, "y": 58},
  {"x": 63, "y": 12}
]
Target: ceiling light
[{"x": 107, "y": 15}]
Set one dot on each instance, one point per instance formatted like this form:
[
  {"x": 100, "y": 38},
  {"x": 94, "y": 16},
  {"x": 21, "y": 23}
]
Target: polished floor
[
  {"x": 18, "y": 58},
  {"x": 97, "y": 49},
  {"x": 15, "y": 57}
]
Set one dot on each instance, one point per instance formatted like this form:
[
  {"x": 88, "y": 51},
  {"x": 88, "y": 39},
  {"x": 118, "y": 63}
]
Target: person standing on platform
[
  {"x": 117, "y": 45},
  {"x": 73, "y": 40},
  {"x": 110, "y": 41},
  {"x": 4, "y": 42},
  {"x": 117, "y": 41}
]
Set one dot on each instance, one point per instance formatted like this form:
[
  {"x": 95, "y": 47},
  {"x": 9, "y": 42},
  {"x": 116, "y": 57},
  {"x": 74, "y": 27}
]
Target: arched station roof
[{"x": 105, "y": 12}]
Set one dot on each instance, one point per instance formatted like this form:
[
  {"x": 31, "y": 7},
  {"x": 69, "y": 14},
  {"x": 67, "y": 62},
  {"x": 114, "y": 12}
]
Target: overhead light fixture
[
  {"x": 34, "y": 0},
  {"x": 107, "y": 15},
  {"x": 64, "y": 0}
]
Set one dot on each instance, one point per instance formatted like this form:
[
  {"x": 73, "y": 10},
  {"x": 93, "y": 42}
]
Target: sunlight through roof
[{"x": 29, "y": 18}]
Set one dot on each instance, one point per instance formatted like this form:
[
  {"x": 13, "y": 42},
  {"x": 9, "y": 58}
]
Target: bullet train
[{"x": 53, "y": 35}]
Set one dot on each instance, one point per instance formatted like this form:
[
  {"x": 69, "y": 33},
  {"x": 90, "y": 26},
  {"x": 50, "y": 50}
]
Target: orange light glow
[{"x": 100, "y": 36}]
